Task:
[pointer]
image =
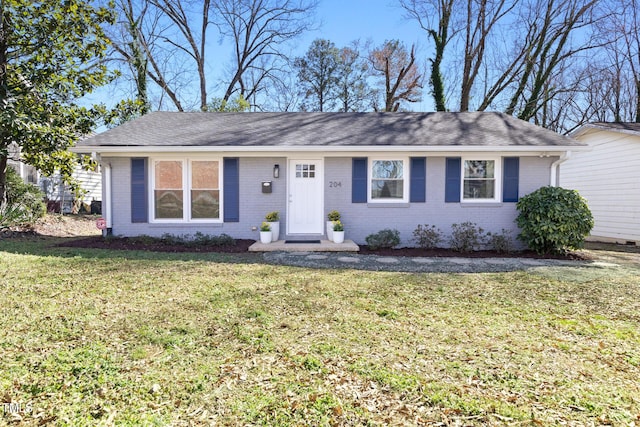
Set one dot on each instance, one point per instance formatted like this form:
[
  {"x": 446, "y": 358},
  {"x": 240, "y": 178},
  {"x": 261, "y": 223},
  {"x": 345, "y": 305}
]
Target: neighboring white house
[
  {"x": 608, "y": 176},
  {"x": 55, "y": 190}
]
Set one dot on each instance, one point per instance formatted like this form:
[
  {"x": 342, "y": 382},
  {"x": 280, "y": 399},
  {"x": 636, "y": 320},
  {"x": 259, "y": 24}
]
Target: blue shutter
[
  {"x": 452, "y": 180},
  {"x": 510, "y": 176},
  {"x": 231, "y": 191},
  {"x": 359, "y": 180},
  {"x": 418, "y": 185},
  {"x": 139, "y": 195}
]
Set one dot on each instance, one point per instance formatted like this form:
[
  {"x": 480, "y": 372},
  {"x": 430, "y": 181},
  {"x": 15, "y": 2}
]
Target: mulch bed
[
  {"x": 242, "y": 245},
  {"x": 133, "y": 244}
]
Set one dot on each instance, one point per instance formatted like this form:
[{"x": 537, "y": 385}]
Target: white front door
[{"x": 306, "y": 195}]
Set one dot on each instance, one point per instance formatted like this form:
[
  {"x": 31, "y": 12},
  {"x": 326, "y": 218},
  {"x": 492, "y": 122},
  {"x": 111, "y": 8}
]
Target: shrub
[
  {"x": 553, "y": 220},
  {"x": 26, "y": 196},
  {"x": 500, "y": 242},
  {"x": 265, "y": 226},
  {"x": 426, "y": 236},
  {"x": 338, "y": 226},
  {"x": 273, "y": 216},
  {"x": 466, "y": 237},
  {"x": 383, "y": 239}
]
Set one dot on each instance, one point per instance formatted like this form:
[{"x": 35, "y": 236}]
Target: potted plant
[
  {"x": 265, "y": 233},
  {"x": 338, "y": 232},
  {"x": 332, "y": 216},
  {"x": 273, "y": 219}
]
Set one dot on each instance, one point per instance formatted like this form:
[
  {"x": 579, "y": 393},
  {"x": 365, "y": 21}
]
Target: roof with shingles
[
  {"x": 201, "y": 129},
  {"x": 630, "y": 128}
]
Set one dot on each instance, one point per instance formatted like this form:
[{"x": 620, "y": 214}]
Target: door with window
[{"x": 306, "y": 195}]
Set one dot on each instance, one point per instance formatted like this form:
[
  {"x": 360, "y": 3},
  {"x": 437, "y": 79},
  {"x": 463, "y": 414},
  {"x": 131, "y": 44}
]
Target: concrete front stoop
[{"x": 323, "y": 246}]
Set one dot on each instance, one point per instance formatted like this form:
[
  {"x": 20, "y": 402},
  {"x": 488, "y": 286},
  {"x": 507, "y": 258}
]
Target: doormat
[{"x": 302, "y": 241}]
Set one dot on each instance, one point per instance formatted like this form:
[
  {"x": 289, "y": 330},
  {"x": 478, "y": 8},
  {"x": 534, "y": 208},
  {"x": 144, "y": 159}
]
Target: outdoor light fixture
[{"x": 276, "y": 171}]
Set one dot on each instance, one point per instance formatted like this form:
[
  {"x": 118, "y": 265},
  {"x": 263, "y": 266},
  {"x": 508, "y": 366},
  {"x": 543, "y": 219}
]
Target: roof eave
[{"x": 329, "y": 149}]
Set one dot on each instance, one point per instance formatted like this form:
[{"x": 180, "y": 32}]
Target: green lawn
[{"x": 96, "y": 337}]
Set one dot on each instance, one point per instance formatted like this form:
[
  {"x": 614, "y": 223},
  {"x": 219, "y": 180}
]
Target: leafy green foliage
[
  {"x": 272, "y": 216},
  {"x": 24, "y": 201},
  {"x": 265, "y": 226},
  {"x": 51, "y": 54},
  {"x": 553, "y": 220},
  {"x": 466, "y": 237},
  {"x": 333, "y": 215},
  {"x": 338, "y": 226},
  {"x": 234, "y": 105},
  {"x": 426, "y": 236},
  {"x": 386, "y": 238}
]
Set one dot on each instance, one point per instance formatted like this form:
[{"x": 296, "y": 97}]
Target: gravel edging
[{"x": 415, "y": 264}]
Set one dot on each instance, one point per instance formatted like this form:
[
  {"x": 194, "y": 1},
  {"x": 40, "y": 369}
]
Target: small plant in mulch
[
  {"x": 500, "y": 242},
  {"x": 466, "y": 237},
  {"x": 427, "y": 236},
  {"x": 383, "y": 239}
]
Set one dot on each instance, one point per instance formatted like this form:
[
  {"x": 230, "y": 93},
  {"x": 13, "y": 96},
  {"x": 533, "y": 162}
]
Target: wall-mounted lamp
[{"x": 276, "y": 171}]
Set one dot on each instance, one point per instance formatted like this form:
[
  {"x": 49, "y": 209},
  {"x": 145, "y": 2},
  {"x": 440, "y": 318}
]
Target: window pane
[
  {"x": 204, "y": 175},
  {"x": 168, "y": 203},
  {"x": 479, "y": 189},
  {"x": 479, "y": 168},
  {"x": 387, "y": 169},
  {"x": 205, "y": 204},
  {"x": 169, "y": 175},
  {"x": 385, "y": 189}
]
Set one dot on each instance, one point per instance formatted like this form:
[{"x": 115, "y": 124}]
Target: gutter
[{"x": 554, "y": 181}]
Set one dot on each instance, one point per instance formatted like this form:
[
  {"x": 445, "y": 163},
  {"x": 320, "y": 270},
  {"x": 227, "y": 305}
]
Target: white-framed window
[
  {"x": 186, "y": 190},
  {"x": 481, "y": 179},
  {"x": 388, "y": 180}
]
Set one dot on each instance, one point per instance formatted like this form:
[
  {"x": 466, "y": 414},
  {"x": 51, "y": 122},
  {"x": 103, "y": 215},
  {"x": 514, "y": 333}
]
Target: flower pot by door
[
  {"x": 330, "y": 231},
  {"x": 338, "y": 236},
  {"x": 265, "y": 237},
  {"x": 275, "y": 230}
]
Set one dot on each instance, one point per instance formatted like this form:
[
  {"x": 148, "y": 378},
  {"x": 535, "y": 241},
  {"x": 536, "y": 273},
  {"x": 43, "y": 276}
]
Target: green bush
[
  {"x": 466, "y": 237},
  {"x": 383, "y": 239},
  {"x": 25, "y": 198},
  {"x": 553, "y": 220},
  {"x": 426, "y": 236}
]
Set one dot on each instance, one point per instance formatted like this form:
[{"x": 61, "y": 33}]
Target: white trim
[
  {"x": 405, "y": 179},
  {"x": 106, "y": 206},
  {"x": 553, "y": 180},
  {"x": 186, "y": 190},
  {"x": 497, "y": 176},
  {"x": 329, "y": 150}
]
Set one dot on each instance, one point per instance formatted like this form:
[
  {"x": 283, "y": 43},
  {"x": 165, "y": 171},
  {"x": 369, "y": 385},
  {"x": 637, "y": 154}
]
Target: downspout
[
  {"x": 555, "y": 166},
  {"x": 107, "y": 211}
]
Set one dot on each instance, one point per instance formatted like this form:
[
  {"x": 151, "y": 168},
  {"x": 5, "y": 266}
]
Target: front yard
[{"x": 99, "y": 337}]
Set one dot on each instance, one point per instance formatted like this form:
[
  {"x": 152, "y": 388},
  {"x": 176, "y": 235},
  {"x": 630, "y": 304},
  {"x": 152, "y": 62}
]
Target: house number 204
[{"x": 335, "y": 184}]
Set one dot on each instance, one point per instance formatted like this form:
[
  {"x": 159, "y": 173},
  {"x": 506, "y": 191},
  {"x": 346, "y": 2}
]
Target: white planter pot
[
  {"x": 330, "y": 231},
  {"x": 338, "y": 236},
  {"x": 265, "y": 237},
  {"x": 275, "y": 230}
]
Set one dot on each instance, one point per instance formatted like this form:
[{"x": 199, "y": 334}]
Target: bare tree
[
  {"x": 400, "y": 75},
  {"x": 481, "y": 18},
  {"x": 423, "y": 12},
  {"x": 258, "y": 30}
]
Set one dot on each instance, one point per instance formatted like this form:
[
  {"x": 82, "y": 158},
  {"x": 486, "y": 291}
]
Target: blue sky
[
  {"x": 341, "y": 21},
  {"x": 345, "y": 20}
]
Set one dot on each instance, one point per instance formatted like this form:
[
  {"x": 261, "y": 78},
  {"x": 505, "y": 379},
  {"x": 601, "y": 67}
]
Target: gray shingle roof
[{"x": 197, "y": 129}]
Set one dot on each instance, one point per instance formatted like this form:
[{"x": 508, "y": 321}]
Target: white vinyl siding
[{"x": 608, "y": 177}]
